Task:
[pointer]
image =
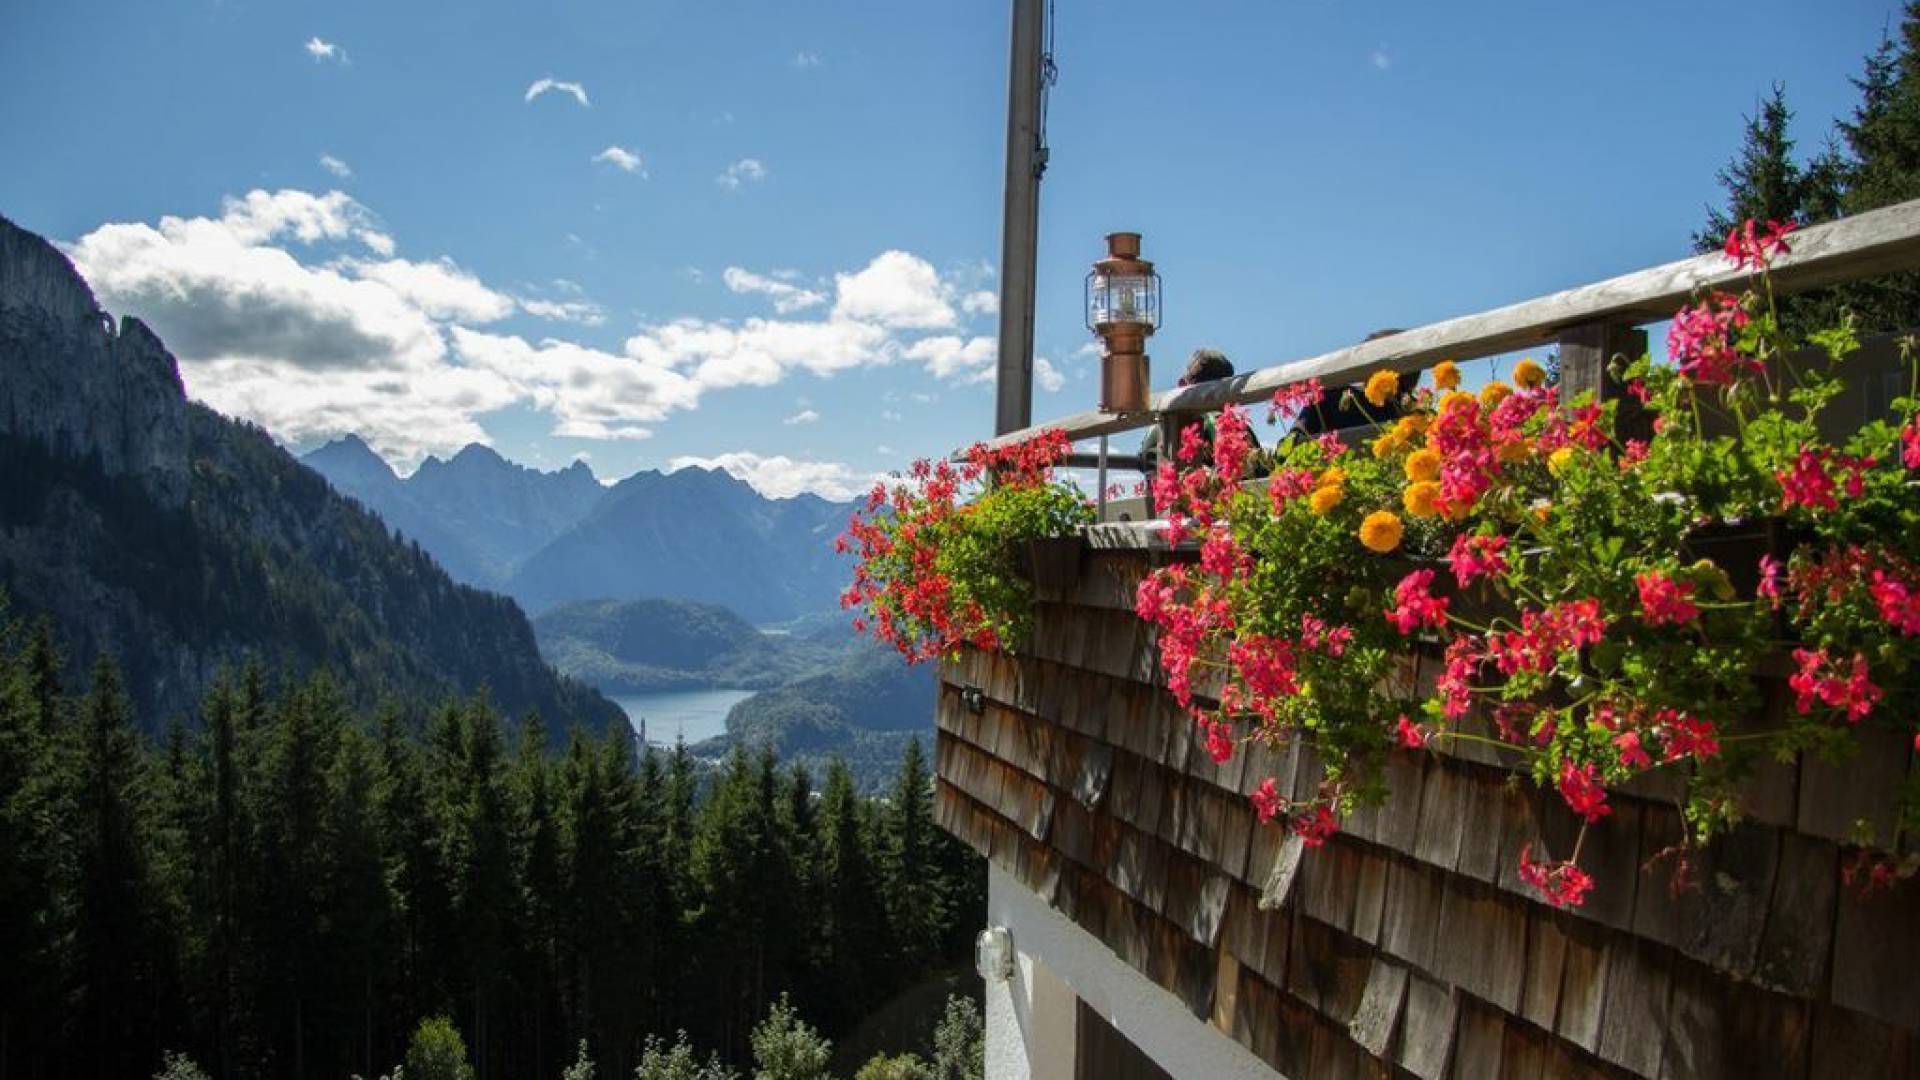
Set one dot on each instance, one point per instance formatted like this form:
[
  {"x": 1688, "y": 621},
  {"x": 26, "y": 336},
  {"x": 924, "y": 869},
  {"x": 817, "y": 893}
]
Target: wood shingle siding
[{"x": 1407, "y": 946}]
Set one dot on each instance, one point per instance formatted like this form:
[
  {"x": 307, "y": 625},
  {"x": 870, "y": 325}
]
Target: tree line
[
  {"x": 280, "y": 886},
  {"x": 1869, "y": 160}
]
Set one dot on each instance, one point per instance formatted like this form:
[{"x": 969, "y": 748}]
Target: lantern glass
[{"x": 1123, "y": 298}]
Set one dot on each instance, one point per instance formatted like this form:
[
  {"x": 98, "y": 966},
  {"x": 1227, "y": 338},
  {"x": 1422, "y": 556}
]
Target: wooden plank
[
  {"x": 1226, "y": 992},
  {"x": 1837, "y": 797},
  {"x": 1426, "y": 1043},
  {"x": 1380, "y": 1003},
  {"x": 1846, "y": 1043},
  {"x": 1694, "y": 1032},
  {"x": 1876, "y": 953},
  {"x": 1583, "y": 985},
  {"x": 1796, "y": 946},
  {"x": 1399, "y": 821},
  {"x": 1407, "y": 923},
  {"x": 1768, "y": 1034},
  {"x": 1286, "y": 866},
  {"x": 1482, "y": 942},
  {"x": 1442, "y": 817},
  {"x": 1370, "y": 895},
  {"x": 1480, "y": 836},
  {"x": 1721, "y": 921},
  {"x": 1478, "y": 1048},
  {"x": 1546, "y": 960},
  {"x": 1656, "y": 907},
  {"x": 1636, "y": 1010},
  {"x": 1863, "y": 245}
]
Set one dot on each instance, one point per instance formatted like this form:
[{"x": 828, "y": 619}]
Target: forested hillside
[
  {"x": 154, "y": 529},
  {"x": 283, "y": 886}
]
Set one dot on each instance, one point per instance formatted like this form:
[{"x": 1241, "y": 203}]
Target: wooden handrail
[{"x": 1865, "y": 245}]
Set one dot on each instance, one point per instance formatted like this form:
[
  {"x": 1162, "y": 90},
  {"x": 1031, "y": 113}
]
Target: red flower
[
  {"x": 1700, "y": 340},
  {"x": 1415, "y": 605},
  {"x": 1770, "y": 567},
  {"x": 1580, "y": 787},
  {"x": 1632, "y": 754},
  {"x": 1688, "y": 736},
  {"x": 1562, "y": 884},
  {"x": 1293, "y": 400},
  {"x": 1807, "y": 483},
  {"x": 1820, "y": 679},
  {"x": 1751, "y": 244},
  {"x": 1315, "y": 825},
  {"x": 1410, "y": 734},
  {"x": 1475, "y": 557},
  {"x": 1266, "y": 801},
  {"x": 1219, "y": 742},
  {"x": 1664, "y": 601},
  {"x": 1910, "y": 444},
  {"x": 1455, "y": 685},
  {"x": 1898, "y": 601}
]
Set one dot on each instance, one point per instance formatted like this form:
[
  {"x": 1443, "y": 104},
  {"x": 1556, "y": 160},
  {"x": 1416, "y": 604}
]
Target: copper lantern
[{"x": 1123, "y": 308}]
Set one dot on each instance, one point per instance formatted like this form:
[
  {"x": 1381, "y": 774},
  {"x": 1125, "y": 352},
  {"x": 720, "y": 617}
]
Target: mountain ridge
[{"x": 148, "y": 526}]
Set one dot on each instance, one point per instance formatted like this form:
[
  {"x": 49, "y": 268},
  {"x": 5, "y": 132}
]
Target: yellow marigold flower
[
  {"x": 1454, "y": 400},
  {"x": 1381, "y": 386},
  {"x": 1420, "y": 499},
  {"x": 1416, "y": 423},
  {"x": 1446, "y": 375},
  {"x": 1333, "y": 477},
  {"x": 1388, "y": 445},
  {"x": 1381, "y": 531},
  {"x": 1423, "y": 464},
  {"x": 1557, "y": 460},
  {"x": 1494, "y": 393},
  {"x": 1325, "y": 499},
  {"x": 1529, "y": 374},
  {"x": 1516, "y": 450}
]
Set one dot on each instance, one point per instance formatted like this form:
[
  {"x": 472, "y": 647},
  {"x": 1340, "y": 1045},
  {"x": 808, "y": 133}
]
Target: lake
[{"x": 693, "y": 715}]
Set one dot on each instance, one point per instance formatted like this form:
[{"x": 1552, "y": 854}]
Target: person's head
[{"x": 1206, "y": 365}]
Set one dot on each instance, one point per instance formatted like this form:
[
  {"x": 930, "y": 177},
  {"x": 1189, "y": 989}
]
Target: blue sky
[{"x": 764, "y": 234}]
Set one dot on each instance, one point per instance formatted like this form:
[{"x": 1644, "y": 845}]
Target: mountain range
[
  {"x": 149, "y": 527},
  {"x": 551, "y": 538}
]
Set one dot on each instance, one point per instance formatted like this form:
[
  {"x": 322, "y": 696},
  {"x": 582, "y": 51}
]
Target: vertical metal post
[
  {"x": 1019, "y": 231},
  {"x": 1101, "y": 513}
]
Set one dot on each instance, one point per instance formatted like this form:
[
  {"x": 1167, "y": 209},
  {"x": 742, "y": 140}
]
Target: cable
[{"x": 1049, "y": 74}]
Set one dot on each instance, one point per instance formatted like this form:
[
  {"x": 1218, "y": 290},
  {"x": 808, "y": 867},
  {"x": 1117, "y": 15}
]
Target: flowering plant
[
  {"x": 1549, "y": 567},
  {"x": 940, "y": 555}
]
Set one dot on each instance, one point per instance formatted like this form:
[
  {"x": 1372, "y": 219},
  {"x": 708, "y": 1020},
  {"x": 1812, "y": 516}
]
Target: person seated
[
  {"x": 1341, "y": 408},
  {"x": 1205, "y": 365}
]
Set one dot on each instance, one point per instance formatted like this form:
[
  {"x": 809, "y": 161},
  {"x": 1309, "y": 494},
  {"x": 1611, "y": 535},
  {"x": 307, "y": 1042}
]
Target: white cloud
[
  {"x": 542, "y": 85},
  {"x": 787, "y": 297},
  {"x": 760, "y": 352},
  {"x": 440, "y": 289},
  {"x": 890, "y": 416},
  {"x": 746, "y": 170},
  {"x": 335, "y": 166},
  {"x": 951, "y": 357},
  {"x": 896, "y": 290},
  {"x": 289, "y": 308},
  {"x": 780, "y": 477},
  {"x": 1380, "y": 58},
  {"x": 590, "y": 394},
  {"x": 584, "y": 312},
  {"x": 806, "y": 60},
  {"x": 623, "y": 159},
  {"x": 323, "y": 50},
  {"x": 1047, "y": 375},
  {"x": 981, "y": 302}
]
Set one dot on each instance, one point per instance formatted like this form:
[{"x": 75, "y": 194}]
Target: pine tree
[
  {"x": 908, "y": 833},
  {"x": 357, "y": 900},
  {"x": 537, "y": 839},
  {"x": 110, "y": 935},
  {"x": 1764, "y": 181},
  {"x": 29, "y": 855},
  {"x": 1883, "y": 136},
  {"x": 852, "y": 923}
]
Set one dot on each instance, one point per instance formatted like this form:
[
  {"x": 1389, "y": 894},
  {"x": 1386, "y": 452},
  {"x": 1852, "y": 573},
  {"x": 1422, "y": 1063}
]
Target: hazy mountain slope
[
  {"x": 635, "y": 646},
  {"x": 179, "y": 540},
  {"x": 694, "y": 534},
  {"x": 479, "y": 514}
]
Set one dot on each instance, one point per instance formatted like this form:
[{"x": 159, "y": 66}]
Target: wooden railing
[{"x": 1588, "y": 324}]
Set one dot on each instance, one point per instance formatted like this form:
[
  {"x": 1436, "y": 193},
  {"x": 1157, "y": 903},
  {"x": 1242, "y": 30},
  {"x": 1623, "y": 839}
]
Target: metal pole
[
  {"x": 1019, "y": 231},
  {"x": 1101, "y": 514}
]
